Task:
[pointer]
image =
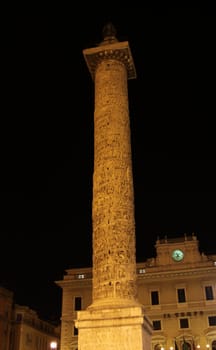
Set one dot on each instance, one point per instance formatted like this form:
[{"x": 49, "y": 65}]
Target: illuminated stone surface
[
  {"x": 113, "y": 213},
  {"x": 114, "y": 329},
  {"x": 114, "y": 320}
]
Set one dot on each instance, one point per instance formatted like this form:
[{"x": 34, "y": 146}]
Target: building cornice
[{"x": 180, "y": 273}]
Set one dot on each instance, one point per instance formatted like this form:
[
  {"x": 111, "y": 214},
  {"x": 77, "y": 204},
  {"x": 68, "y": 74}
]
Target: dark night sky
[{"x": 47, "y": 140}]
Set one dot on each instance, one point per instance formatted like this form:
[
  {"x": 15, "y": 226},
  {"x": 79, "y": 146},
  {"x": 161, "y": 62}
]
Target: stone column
[
  {"x": 114, "y": 265},
  {"x": 114, "y": 320}
]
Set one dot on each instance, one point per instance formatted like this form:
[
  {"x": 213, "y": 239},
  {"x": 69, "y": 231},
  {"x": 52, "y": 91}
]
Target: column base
[{"x": 117, "y": 328}]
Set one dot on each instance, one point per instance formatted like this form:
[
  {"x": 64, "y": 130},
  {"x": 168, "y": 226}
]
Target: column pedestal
[{"x": 125, "y": 328}]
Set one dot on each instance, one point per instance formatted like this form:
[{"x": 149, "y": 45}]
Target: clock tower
[{"x": 177, "y": 251}]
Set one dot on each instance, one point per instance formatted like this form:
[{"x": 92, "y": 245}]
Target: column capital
[{"x": 119, "y": 51}]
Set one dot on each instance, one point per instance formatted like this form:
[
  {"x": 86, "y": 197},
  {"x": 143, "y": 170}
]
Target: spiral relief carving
[{"x": 113, "y": 203}]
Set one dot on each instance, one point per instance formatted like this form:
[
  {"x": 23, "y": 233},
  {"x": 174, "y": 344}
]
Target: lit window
[
  {"x": 80, "y": 276},
  {"x": 141, "y": 270}
]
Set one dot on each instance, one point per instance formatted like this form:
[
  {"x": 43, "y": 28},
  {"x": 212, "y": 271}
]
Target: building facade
[
  {"x": 177, "y": 288},
  {"x": 22, "y": 329},
  {"x": 6, "y": 306},
  {"x": 28, "y": 332}
]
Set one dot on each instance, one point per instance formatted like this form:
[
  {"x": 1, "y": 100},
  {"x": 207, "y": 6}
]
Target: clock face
[{"x": 177, "y": 255}]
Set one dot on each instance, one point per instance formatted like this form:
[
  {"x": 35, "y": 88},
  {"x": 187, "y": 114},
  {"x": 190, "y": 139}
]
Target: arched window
[
  {"x": 157, "y": 347},
  {"x": 186, "y": 345},
  {"x": 214, "y": 345}
]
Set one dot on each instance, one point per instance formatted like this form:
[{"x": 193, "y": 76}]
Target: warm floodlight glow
[{"x": 53, "y": 345}]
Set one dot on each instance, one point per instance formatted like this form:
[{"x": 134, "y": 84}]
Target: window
[
  {"x": 184, "y": 323},
  {"x": 154, "y": 297},
  {"x": 28, "y": 338},
  {"x": 186, "y": 345},
  {"x": 181, "y": 295},
  {"x": 212, "y": 320},
  {"x": 156, "y": 325},
  {"x": 209, "y": 293},
  {"x": 19, "y": 317},
  {"x": 75, "y": 331},
  {"x": 214, "y": 345},
  {"x": 157, "y": 347},
  {"x": 78, "y": 303}
]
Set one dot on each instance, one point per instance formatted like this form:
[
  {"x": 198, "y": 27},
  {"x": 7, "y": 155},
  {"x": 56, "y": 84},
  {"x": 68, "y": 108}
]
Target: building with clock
[{"x": 177, "y": 288}]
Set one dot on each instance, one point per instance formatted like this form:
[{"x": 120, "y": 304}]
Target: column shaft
[{"x": 113, "y": 198}]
